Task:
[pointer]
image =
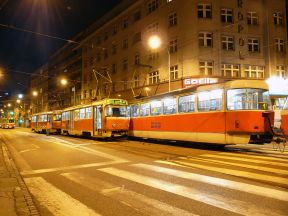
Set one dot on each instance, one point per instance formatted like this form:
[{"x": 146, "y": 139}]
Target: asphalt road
[{"x": 74, "y": 176}]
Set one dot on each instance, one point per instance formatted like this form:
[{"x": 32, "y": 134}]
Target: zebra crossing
[{"x": 204, "y": 180}]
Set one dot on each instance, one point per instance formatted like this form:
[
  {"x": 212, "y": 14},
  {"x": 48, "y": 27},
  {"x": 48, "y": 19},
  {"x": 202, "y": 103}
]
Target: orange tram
[
  {"x": 284, "y": 119},
  {"x": 51, "y": 120},
  {"x": 234, "y": 112}
]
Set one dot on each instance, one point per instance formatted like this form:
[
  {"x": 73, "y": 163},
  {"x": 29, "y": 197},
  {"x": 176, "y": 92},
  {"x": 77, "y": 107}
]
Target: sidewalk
[{"x": 15, "y": 199}]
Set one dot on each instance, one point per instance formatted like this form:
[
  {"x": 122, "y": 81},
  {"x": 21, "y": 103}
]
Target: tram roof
[{"x": 49, "y": 112}]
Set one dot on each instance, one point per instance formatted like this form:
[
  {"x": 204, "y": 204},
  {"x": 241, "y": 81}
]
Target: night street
[{"x": 74, "y": 176}]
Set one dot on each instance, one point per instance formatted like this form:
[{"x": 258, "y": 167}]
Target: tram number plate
[{"x": 155, "y": 125}]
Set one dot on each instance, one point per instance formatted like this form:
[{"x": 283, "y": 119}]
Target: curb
[{"x": 23, "y": 201}]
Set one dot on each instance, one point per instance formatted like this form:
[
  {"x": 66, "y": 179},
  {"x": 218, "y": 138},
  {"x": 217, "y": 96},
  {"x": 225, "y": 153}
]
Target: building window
[
  {"x": 153, "y": 5},
  {"x": 125, "y": 44},
  {"x": 278, "y": 18},
  {"x": 226, "y": 15},
  {"x": 279, "y": 45},
  {"x": 253, "y": 45},
  {"x": 205, "y": 39},
  {"x": 204, "y": 11},
  {"x": 252, "y": 18},
  {"x": 137, "y": 16},
  {"x": 137, "y": 59},
  {"x": 206, "y": 68},
  {"x": 227, "y": 43},
  {"x": 280, "y": 71},
  {"x": 125, "y": 23},
  {"x": 254, "y": 71},
  {"x": 172, "y": 19},
  {"x": 114, "y": 68},
  {"x": 230, "y": 70},
  {"x": 153, "y": 55},
  {"x": 153, "y": 77},
  {"x": 114, "y": 30},
  {"x": 174, "y": 72},
  {"x": 125, "y": 64},
  {"x": 136, "y": 81},
  {"x": 137, "y": 37},
  {"x": 114, "y": 49},
  {"x": 152, "y": 28},
  {"x": 105, "y": 36},
  {"x": 173, "y": 46}
]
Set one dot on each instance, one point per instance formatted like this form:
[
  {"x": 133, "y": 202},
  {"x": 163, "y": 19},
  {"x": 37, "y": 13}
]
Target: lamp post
[{"x": 154, "y": 43}]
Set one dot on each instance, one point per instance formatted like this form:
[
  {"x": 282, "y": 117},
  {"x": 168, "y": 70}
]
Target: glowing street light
[
  {"x": 9, "y": 105},
  {"x": 63, "y": 82},
  {"x": 20, "y": 96},
  {"x": 154, "y": 42},
  {"x": 18, "y": 101},
  {"x": 35, "y": 93}
]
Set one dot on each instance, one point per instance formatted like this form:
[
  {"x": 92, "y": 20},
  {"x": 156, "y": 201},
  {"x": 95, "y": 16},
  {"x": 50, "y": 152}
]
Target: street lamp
[
  {"x": 35, "y": 93},
  {"x": 155, "y": 42},
  {"x": 9, "y": 105},
  {"x": 20, "y": 96},
  {"x": 18, "y": 101}
]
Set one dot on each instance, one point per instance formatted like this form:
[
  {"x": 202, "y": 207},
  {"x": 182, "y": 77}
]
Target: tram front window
[
  {"x": 116, "y": 111},
  {"x": 248, "y": 99}
]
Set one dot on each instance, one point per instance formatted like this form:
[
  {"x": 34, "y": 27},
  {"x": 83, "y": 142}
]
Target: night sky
[{"x": 22, "y": 52}]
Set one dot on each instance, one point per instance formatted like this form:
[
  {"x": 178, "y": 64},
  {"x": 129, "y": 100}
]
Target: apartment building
[{"x": 200, "y": 41}]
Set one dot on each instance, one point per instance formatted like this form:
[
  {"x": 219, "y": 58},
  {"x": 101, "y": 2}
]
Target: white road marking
[
  {"x": 56, "y": 201},
  {"x": 240, "y": 158},
  {"x": 261, "y": 168},
  {"x": 255, "y": 157},
  {"x": 229, "y": 204},
  {"x": 134, "y": 200},
  {"x": 39, "y": 171},
  {"x": 238, "y": 173},
  {"x": 234, "y": 185}
]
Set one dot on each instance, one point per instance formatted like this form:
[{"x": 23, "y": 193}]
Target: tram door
[{"x": 97, "y": 120}]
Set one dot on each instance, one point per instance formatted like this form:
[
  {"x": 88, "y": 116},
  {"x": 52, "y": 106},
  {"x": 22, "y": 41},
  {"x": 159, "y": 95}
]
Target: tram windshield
[
  {"x": 112, "y": 111},
  {"x": 248, "y": 99}
]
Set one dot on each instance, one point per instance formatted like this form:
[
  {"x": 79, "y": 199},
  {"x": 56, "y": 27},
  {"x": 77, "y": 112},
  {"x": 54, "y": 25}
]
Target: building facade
[{"x": 200, "y": 40}]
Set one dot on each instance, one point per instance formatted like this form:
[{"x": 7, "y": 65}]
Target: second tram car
[
  {"x": 105, "y": 118},
  {"x": 235, "y": 112},
  {"x": 41, "y": 122}
]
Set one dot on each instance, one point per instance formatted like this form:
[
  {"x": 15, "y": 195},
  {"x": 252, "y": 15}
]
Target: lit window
[
  {"x": 230, "y": 70},
  {"x": 227, "y": 43},
  {"x": 156, "y": 107},
  {"x": 278, "y": 18},
  {"x": 204, "y": 11},
  {"x": 279, "y": 45},
  {"x": 205, "y": 39},
  {"x": 226, "y": 15},
  {"x": 145, "y": 109},
  {"x": 173, "y": 46},
  {"x": 206, "y": 68},
  {"x": 172, "y": 19},
  {"x": 253, "y": 45},
  {"x": 169, "y": 105},
  {"x": 210, "y": 100},
  {"x": 254, "y": 71},
  {"x": 187, "y": 103},
  {"x": 153, "y": 5},
  {"x": 252, "y": 18},
  {"x": 153, "y": 77},
  {"x": 82, "y": 113},
  {"x": 174, "y": 72},
  {"x": 280, "y": 70}
]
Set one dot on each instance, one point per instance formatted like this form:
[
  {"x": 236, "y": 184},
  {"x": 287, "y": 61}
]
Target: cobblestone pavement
[{"x": 15, "y": 199}]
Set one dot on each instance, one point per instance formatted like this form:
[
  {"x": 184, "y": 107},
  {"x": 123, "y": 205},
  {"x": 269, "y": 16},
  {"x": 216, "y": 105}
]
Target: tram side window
[
  {"x": 88, "y": 112},
  {"x": 169, "y": 105},
  {"x": 76, "y": 114},
  {"x": 135, "y": 110},
  {"x": 33, "y": 118},
  {"x": 56, "y": 117},
  {"x": 187, "y": 103},
  {"x": 43, "y": 118},
  {"x": 156, "y": 108},
  {"x": 210, "y": 100},
  {"x": 82, "y": 113},
  {"x": 248, "y": 99},
  {"x": 65, "y": 116},
  {"x": 145, "y": 109}
]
